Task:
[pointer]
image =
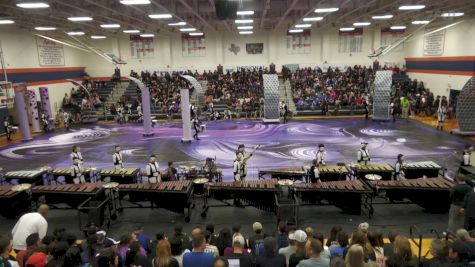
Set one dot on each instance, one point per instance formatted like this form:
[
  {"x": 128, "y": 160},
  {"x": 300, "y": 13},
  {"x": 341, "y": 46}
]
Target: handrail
[{"x": 418, "y": 244}]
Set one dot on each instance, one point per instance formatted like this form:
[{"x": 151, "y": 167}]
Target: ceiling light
[
  {"x": 98, "y": 37},
  {"x": 349, "y": 29},
  {"x": 6, "y": 21},
  {"x": 313, "y": 19},
  {"x": 250, "y": 12},
  {"x": 196, "y": 33},
  {"x": 135, "y": 2},
  {"x": 110, "y": 26},
  {"x": 383, "y": 17},
  {"x": 420, "y": 22},
  {"x": 326, "y": 10},
  {"x": 33, "y": 5},
  {"x": 241, "y": 21},
  {"x": 245, "y": 27},
  {"x": 303, "y": 25},
  {"x": 453, "y": 14},
  {"x": 296, "y": 30},
  {"x": 160, "y": 16},
  {"x": 398, "y": 27},
  {"x": 188, "y": 29},
  {"x": 361, "y": 23},
  {"x": 79, "y": 18},
  {"x": 147, "y": 35},
  {"x": 76, "y": 33},
  {"x": 45, "y": 28},
  {"x": 131, "y": 31},
  {"x": 246, "y": 32},
  {"x": 181, "y": 23},
  {"x": 412, "y": 7}
]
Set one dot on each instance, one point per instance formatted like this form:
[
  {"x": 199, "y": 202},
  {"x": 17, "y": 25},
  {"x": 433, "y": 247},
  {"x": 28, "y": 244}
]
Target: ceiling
[{"x": 269, "y": 14}]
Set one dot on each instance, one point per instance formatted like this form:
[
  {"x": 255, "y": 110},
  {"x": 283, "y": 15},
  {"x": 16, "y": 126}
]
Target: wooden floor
[{"x": 449, "y": 125}]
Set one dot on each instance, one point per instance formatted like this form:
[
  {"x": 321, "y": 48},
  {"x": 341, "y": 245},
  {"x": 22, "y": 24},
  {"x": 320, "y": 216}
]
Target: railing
[{"x": 414, "y": 230}]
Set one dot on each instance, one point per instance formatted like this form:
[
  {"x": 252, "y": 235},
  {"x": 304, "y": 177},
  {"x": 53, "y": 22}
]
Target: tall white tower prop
[
  {"x": 20, "y": 90},
  {"x": 33, "y": 110},
  {"x": 147, "y": 117},
  {"x": 185, "y": 115}
]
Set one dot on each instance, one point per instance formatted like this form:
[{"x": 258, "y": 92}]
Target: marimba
[
  {"x": 27, "y": 176},
  {"x": 432, "y": 194},
  {"x": 292, "y": 173},
  {"x": 123, "y": 176},
  {"x": 385, "y": 170},
  {"x": 333, "y": 173},
  {"x": 89, "y": 173},
  {"x": 13, "y": 203},
  {"x": 350, "y": 196},
  {"x": 71, "y": 194},
  {"x": 414, "y": 170},
  {"x": 174, "y": 196},
  {"x": 259, "y": 194}
]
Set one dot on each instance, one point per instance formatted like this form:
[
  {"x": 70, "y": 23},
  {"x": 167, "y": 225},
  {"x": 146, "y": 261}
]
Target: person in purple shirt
[
  {"x": 124, "y": 245},
  {"x": 198, "y": 258},
  {"x": 143, "y": 240}
]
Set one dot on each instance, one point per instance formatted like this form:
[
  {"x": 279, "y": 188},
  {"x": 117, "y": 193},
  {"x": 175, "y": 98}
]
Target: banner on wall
[
  {"x": 299, "y": 43},
  {"x": 49, "y": 53},
  {"x": 254, "y": 48},
  {"x": 389, "y": 37},
  {"x": 350, "y": 42},
  {"x": 193, "y": 46},
  {"x": 141, "y": 47},
  {"x": 434, "y": 42}
]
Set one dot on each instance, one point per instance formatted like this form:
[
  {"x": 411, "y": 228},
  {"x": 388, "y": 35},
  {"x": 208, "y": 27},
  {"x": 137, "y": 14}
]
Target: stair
[
  {"x": 285, "y": 94},
  {"x": 117, "y": 93}
]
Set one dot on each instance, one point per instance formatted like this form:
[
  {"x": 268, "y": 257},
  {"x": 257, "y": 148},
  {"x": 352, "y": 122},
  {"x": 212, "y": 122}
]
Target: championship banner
[
  {"x": 141, "y": 47},
  {"x": 49, "y": 53},
  {"x": 193, "y": 46},
  {"x": 254, "y": 48},
  {"x": 299, "y": 43},
  {"x": 350, "y": 42},
  {"x": 389, "y": 37}
]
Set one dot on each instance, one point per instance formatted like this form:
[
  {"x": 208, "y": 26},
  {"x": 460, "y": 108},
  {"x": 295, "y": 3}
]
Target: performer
[
  {"x": 441, "y": 115},
  {"x": 171, "y": 172},
  {"x": 393, "y": 110},
  {"x": 44, "y": 120},
  {"x": 320, "y": 154},
  {"x": 66, "y": 119},
  {"x": 239, "y": 167},
  {"x": 139, "y": 112},
  {"x": 285, "y": 111},
  {"x": 120, "y": 114},
  {"x": 363, "y": 154},
  {"x": 210, "y": 168},
  {"x": 196, "y": 125},
  {"x": 77, "y": 172},
  {"x": 76, "y": 154},
  {"x": 117, "y": 158},
  {"x": 242, "y": 150},
  {"x": 366, "y": 109},
  {"x": 467, "y": 154},
  {"x": 192, "y": 111},
  {"x": 399, "y": 168},
  {"x": 8, "y": 128},
  {"x": 457, "y": 197},
  {"x": 152, "y": 170},
  {"x": 314, "y": 172}
]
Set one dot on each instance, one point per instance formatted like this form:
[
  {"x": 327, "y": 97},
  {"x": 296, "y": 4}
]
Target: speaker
[{"x": 226, "y": 9}]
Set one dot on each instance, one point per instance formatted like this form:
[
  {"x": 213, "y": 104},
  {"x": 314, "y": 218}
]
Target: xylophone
[
  {"x": 124, "y": 176},
  {"x": 13, "y": 203},
  {"x": 259, "y": 194},
  {"x": 291, "y": 173},
  {"x": 385, "y": 170},
  {"x": 414, "y": 170},
  {"x": 89, "y": 173},
  {"x": 71, "y": 194},
  {"x": 432, "y": 194},
  {"x": 350, "y": 196},
  {"x": 333, "y": 173},
  {"x": 27, "y": 176},
  {"x": 174, "y": 196}
]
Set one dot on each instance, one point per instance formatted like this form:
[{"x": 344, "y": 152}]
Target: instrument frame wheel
[
  {"x": 187, "y": 219},
  {"x": 203, "y": 214}
]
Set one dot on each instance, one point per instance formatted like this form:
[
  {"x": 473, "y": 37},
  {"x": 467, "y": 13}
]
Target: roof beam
[
  {"x": 195, "y": 13},
  {"x": 287, "y": 12}
]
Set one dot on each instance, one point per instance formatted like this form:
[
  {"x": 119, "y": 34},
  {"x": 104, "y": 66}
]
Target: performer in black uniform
[
  {"x": 314, "y": 172},
  {"x": 8, "y": 128},
  {"x": 196, "y": 126},
  {"x": 399, "y": 168}
]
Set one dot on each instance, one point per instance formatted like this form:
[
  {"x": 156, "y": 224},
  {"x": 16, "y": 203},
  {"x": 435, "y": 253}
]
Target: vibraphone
[
  {"x": 124, "y": 176},
  {"x": 333, "y": 173},
  {"x": 174, "y": 196},
  {"x": 352, "y": 197},
  {"x": 292, "y": 173},
  {"x": 71, "y": 194},
  {"x": 259, "y": 194},
  {"x": 13, "y": 203},
  {"x": 385, "y": 170},
  {"x": 89, "y": 173},
  {"x": 420, "y": 169},
  {"x": 26, "y": 176},
  {"x": 432, "y": 194}
]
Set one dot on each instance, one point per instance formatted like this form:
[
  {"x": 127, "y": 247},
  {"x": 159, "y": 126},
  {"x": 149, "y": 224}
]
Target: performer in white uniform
[
  {"x": 117, "y": 159},
  {"x": 66, "y": 119},
  {"x": 44, "y": 120},
  {"x": 363, "y": 154},
  {"x": 153, "y": 170},
  {"x": 467, "y": 154},
  {"x": 242, "y": 150},
  {"x": 320, "y": 154},
  {"x": 239, "y": 167},
  {"x": 139, "y": 112},
  {"x": 441, "y": 115},
  {"x": 76, "y": 154},
  {"x": 8, "y": 128},
  {"x": 399, "y": 168},
  {"x": 314, "y": 172},
  {"x": 77, "y": 172}
]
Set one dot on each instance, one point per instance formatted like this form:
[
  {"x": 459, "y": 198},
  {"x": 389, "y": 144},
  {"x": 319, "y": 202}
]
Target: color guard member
[
  {"x": 320, "y": 154},
  {"x": 399, "y": 168},
  {"x": 363, "y": 154},
  {"x": 153, "y": 171},
  {"x": 76, "y": 154},
  {"x": 77, "y": 172},
  {"x": 117, "y": 159}
]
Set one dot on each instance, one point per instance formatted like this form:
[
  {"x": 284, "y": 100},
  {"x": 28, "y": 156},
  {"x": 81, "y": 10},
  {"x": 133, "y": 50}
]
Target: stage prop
[
  {"x": 271, "y": 98},
  {"x": 382, "y": 95},
  {"x": 33, "y": 110},
  {"x": 185, "y": 115},
  {"x": 465, "y": 110},
  {"x": 147, "y": 119},
  {"x": 20, "y": 90},
  {"x": 44, "y": 97},
  {"x": 200, "y": 93}
]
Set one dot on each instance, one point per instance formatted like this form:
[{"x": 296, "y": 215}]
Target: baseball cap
[
  {"x": 37, "y": 260},
  {"x": 256, "y": 226},
  {"x": 238, "y": 239},
  {"x": 363, "y": 226},
  {"x": 101, "y": 232},
  {"x": 299, "y": 236}
]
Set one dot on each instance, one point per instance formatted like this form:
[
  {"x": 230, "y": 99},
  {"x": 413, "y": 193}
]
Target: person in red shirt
[{"x": 32, "y": 243}]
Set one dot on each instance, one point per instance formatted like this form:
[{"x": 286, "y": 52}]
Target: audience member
[
  {"x": 389, "y": 247},
  {"x": 134, "y": 257},
  {"x": 257, "y": 239},
  {"x": 401, "y": 255},
  {"x": 333, "y": 235},
  {"x": 341, "y": 245},
  {"x": 282, "y": 238},
  {"x": 375, "y": 238},
  {"x": 270, "y": 258},
  {"x": 458, "y": 254},
  {"x": 32, "y": 243},
  {"x": 290, "y": 249},
  {"x": 313, "y": 249},
  {"x": 245, "y": 260},
  {"x": 30, "y": 223},
  {"x": 220, "y": 262},
  {"x": 224, "y": 240},
  {"x": 177, "y": 249},
  {"x": 40, "y": 259},
  {"x": 440, "y": 252},
  {"x": 164, "y": 256},
  {"x": 210, "y": 248},
  {"x": 107, "y": 258},
  {"x": 198, "y": 258},
  {"x": 356, "y": 257},
  {"x": 300, "y": 238},
  {"x": 143, "y": 240}
]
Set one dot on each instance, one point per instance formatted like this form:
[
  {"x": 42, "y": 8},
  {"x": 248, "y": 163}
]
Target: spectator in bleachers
[
  {"x": 290, "y": 249},
  {"x": 389, "y": 247},
  {"x": 177, "y": 249},
  {"x": 356, "y": 257},
  {"x": 270, "y": 258},
  {"x": 238, "y": 252},
  {"x": 375, "y": 238},
  {"x": 300, "y": 238},
  {"x": 401, "y": 255},
  {"x": 225, "y": 240},
  {"x": 458, "y": 253},
  {"x": 33, "y": 241},
  {"x": 282, "y": 237},
  {"x": 314, "y": 248},
  {"x": 134, "y": 256},
  {"x": 341, "y": 246},
  {"x": 257, "y": 239},
  {"x": 440, "y": 252},
  {"x": 198, "y": 258},
  {"x": 210, "y": 248},
  {"x": 164, "y": 256}
]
